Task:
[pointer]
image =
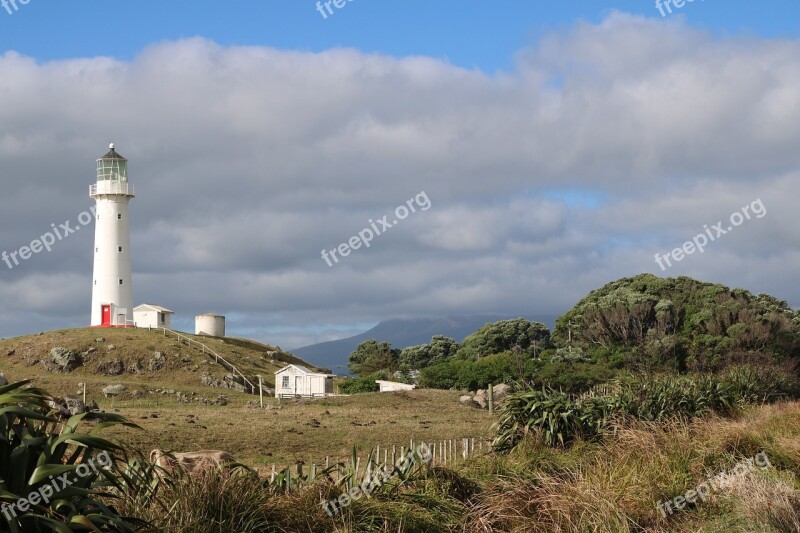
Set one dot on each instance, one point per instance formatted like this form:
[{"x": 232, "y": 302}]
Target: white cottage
[
  {"x": 152, "y": 316},
  {"x": 296, "y": 380}
]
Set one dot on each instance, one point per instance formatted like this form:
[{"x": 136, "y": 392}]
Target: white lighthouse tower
[{"x": 112, "y": 292}]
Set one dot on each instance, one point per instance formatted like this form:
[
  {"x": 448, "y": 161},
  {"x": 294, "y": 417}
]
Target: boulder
[
  {"x": 135, "y": 367},
  {"x": 113, "y": 390},
  {"x": 65, "y": 360},
  {"x": 75, "y": 406},
  {"x": 111, "y": 348},
  {"x": 157, "y": 362},
  {"x": 481, "y": 400},
  {"x": 111, "y": 368},
  {"x": 501, "y": 391},
  {"x": 467, "y": 400}
]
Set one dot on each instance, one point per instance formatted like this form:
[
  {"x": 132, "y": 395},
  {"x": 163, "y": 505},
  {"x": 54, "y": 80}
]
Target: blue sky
[
  {"x": 467, "y": 33},
  {"x": 562, "y": 144}
]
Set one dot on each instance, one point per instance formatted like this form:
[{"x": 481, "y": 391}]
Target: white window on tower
[
  {"x": 119, "y": 249},
  {"x": 120, "y": 281},
  {"x": 119, "y": 216},
  {"x": 285, "y": 382}
]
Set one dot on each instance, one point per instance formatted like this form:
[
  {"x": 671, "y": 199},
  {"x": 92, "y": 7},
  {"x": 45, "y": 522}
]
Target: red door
[{"x": 106, "y": 315}]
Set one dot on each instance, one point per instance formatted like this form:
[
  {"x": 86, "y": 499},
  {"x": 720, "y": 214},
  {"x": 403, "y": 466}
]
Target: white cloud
[{"x": 249, "y": 161}]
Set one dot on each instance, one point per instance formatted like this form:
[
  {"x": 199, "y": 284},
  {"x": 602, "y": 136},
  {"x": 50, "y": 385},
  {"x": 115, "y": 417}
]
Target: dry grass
[
  {"x": 615, "y": 486},
  {"x": 183, "y": 369},
  {"x": 307, "y": 430}
]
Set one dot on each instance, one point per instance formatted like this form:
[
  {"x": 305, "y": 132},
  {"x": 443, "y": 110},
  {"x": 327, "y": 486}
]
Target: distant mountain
[{"x": 400, "y": 333}]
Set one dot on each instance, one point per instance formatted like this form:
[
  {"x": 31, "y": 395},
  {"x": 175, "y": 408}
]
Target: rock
[
  {"x": 65, "y": 360},
  {"x": 157, "y": 362},
  {"x": 111, "y": 348},
  {"x": 228, "y": 382},
  {"x": 137, "y": 394},
  {"x": 92, "y": 406},
  {"x": 501, "y": 391},
  {"x": 90, "y": 350},
  {"x": 169, "y": 391},
  {"x": 111, "y": 368},
  {"x": 75, "y": 406},
  {"x": 101, "y": 339},
  {"x": 222, "y": 400},
  {"x": 59, "y": 406},
  {"x": 185, "y": 359},
  {"x": 481, "y": 401},
  {"x": 11, "y": 352},
  {"x": 113, "y": 390},
  {"x": 3, "y": 380},
  {"x": 135, "y": 367},
  {"x": 467, "y": 400}
]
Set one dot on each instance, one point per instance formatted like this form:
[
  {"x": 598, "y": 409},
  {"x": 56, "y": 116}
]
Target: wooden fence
[{"x": 450, "y": 452}]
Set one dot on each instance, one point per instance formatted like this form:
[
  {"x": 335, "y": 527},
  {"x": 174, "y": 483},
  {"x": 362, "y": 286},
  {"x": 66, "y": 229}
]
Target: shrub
[
  {"x": 33, "y": 451},
  {"x": 559, "y": 418},
  {"x": 361, "y": 385}
]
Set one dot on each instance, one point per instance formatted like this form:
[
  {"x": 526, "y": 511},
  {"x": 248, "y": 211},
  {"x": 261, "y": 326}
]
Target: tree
[
  {"x": 440, "y": 349},
  {"x": 372, "y": 356},
  {"x": 680, "y": 323},
  {"x": 504, "y": 336}
]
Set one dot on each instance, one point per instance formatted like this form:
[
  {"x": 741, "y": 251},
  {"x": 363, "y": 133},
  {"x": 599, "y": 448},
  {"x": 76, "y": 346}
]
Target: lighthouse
[{"x": 112, "y": 290}]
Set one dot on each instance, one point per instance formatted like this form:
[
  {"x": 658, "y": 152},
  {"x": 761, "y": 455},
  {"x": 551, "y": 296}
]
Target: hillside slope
[{"x": 139, "y": 359}]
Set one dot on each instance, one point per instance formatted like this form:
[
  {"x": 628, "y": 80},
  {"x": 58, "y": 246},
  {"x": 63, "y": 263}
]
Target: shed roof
[
  {"x": 154, "y": 308},
  {"x": 304, "y": 370}
]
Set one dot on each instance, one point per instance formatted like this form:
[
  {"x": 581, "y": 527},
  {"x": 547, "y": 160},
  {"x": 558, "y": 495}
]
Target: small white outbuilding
[
  {"x": 209, "y": 324},
  {"x": 296, "y": 380},
  {"x": 152, "y": 316},
  {"x": 392, "y": 386}
]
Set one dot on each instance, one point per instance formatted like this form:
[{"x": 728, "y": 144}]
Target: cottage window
[{"x": 285, "y": 382}]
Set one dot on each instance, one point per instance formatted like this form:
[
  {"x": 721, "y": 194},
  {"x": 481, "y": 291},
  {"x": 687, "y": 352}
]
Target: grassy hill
[{"x": 181, "y": 367}]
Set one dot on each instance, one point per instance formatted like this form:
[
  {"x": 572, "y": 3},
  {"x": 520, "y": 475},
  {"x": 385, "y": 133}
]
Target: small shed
[
  {"x": 209, "y": 324},
  {"x": 392, "y": 386},
  {"x": 152, "y": 316},
  {"x": 296, "y": 380}
]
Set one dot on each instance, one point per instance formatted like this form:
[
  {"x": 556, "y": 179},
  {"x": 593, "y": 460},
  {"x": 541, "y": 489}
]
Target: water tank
[{"x": 209, "y": 324}]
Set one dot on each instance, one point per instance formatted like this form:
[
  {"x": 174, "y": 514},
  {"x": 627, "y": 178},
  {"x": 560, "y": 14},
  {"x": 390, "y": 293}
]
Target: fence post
[{"x": 491, "y": 398}]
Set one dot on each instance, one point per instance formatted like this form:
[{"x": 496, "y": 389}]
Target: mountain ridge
[{"x": 401, "y": 333}]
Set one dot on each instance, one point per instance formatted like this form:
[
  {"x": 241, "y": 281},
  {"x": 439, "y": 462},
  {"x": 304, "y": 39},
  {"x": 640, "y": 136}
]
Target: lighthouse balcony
[{"x": 108, "y": 187}]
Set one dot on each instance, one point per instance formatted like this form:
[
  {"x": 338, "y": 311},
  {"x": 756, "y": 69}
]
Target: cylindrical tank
[{"x": 209, "y": 324}]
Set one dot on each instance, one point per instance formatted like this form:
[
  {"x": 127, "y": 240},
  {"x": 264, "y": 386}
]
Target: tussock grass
[
  {"x": 606, "y": 486},
  {"x": 614, "y": 486}
]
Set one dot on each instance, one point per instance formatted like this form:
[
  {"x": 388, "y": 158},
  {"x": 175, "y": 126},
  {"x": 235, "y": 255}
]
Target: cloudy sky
[{"x": 560, "y": 147}]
